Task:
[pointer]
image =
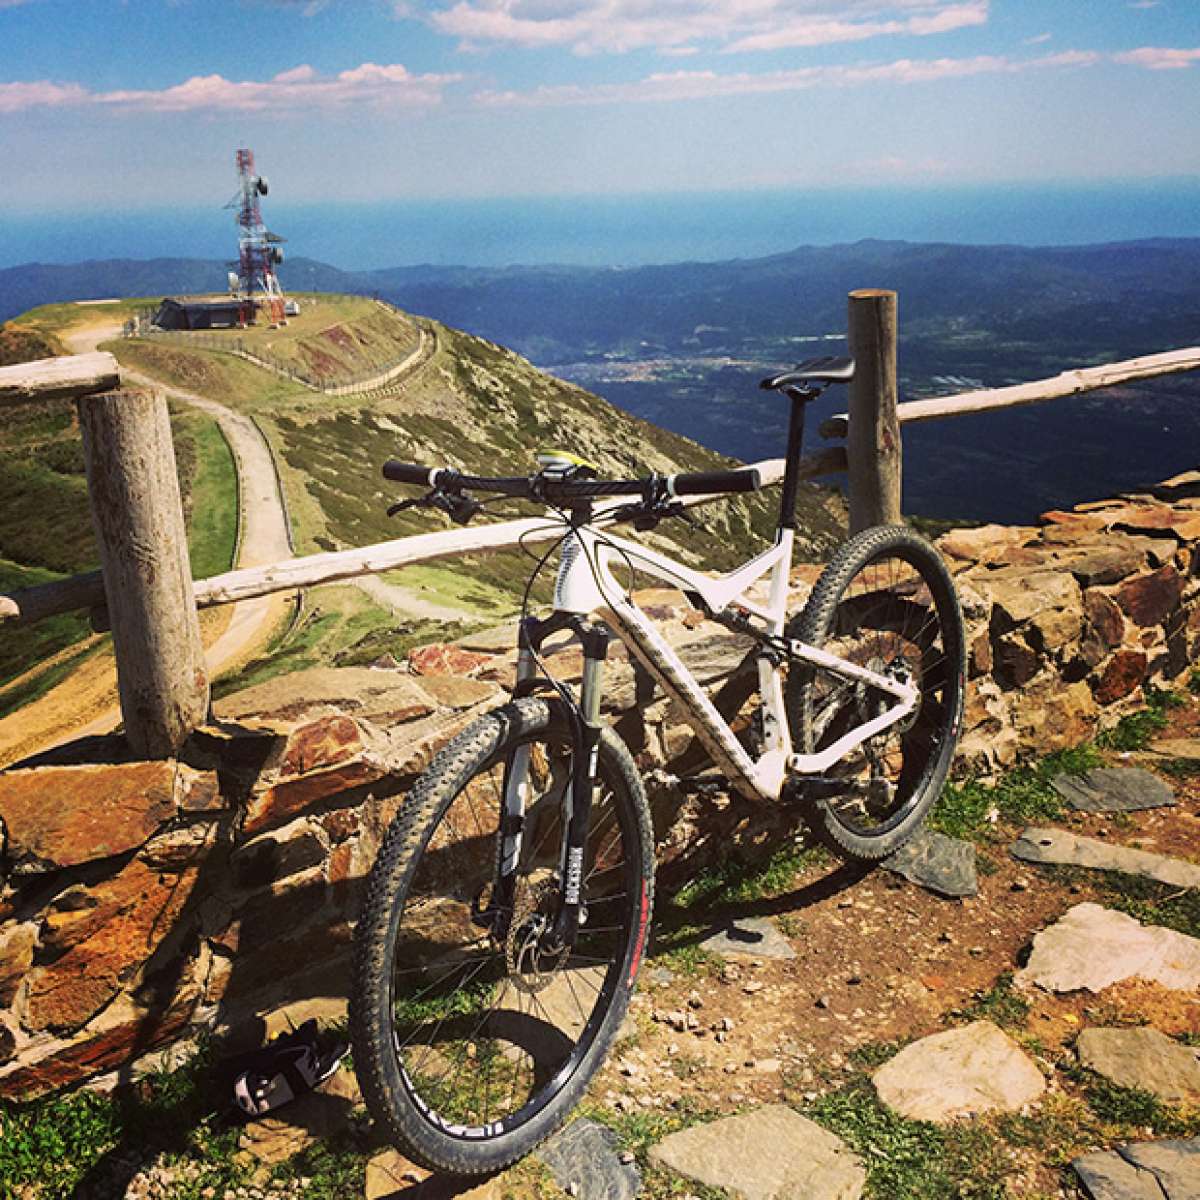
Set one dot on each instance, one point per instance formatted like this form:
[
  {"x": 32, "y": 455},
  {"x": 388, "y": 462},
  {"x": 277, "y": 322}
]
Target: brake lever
[
  {"x": 646, "y": 516},
  {"x": 459, "y": 508}
]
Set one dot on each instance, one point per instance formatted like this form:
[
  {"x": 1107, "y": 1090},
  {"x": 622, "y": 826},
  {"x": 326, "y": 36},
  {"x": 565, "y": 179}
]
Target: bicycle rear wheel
[
  {"x": 471, "y": 1046},
  {"x": 885, "y": 602}
]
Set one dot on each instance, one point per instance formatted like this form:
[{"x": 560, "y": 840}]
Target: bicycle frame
[{"x": 587, "y": 587}]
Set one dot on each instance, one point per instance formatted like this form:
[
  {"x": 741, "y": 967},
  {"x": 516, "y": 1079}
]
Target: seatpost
[{"x": 799, "y": 396}]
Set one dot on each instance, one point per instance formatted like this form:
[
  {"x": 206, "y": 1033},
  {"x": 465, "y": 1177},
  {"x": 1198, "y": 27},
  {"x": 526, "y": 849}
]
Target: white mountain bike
[{"x": 508, "y": 910}]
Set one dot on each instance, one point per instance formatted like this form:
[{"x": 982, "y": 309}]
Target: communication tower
[{"x": 258, "y": 249}]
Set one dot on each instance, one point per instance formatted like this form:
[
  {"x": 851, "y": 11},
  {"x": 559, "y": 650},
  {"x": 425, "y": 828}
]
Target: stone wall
[
  {"x": 143, "y": 902},
  {"x": 1068, "y": 621}
]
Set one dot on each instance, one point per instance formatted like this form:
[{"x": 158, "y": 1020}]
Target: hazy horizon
[{"x": 620, "y": 230}]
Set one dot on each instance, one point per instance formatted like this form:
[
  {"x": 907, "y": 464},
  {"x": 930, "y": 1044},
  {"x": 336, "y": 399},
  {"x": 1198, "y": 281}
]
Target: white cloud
[
  {"x": 296, "y": 90},
  {"x": 701, "y": 85},
  {"x": 591, "y": 26},
  {"x": 15, "y": 97},
  {"x": 818, "y": 32},
  {"x": 1160, "y": 58}
]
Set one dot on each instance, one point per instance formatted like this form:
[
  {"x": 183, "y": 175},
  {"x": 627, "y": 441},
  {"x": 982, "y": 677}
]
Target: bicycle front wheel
[
  {"x": 885, "y": 602},
  {"x": 470, "y": 1045}
]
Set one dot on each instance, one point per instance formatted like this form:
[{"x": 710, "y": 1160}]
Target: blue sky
[{"x": 142, "y": 102}]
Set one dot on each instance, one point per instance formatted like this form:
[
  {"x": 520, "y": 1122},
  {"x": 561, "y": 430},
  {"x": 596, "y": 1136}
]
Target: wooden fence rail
[
  {"x": 145, "y": 589},
  {"x": 86, "y": 592},
  {"x": 1068, "y": 383}
]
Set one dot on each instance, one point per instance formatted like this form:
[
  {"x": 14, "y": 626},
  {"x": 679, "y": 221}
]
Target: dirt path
[{"x": 86, "y": 703}]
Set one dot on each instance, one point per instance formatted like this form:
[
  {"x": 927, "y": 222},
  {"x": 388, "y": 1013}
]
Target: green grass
[
  {"x": 1136, "y": 731},
  {"x": 50, "y": 1146},
  {"x": 340, "y": 627},
  {"x": 742, "y": 879},
  {"x": 1132, "y": 1110},
  {"x": 1001, "y": 1004},
  {"x": 334, "y": 338},
  {"x": 913, "y": 1158},
  {"x": 1179, "y": 768},
  {"x": 208, "y": 480},
  {"x": 38, "y": 683},
  {"x": 972, "y": 809},
  {"x": 678, "y": 948},
  {"x": 35, "y": 643},
  {"x": 231, "y": 381}
]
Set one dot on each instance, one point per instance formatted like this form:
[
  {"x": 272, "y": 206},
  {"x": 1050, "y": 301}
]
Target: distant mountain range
[
  {"x": 1128, "y": 295},
  {"x": 683, "y": 345}
]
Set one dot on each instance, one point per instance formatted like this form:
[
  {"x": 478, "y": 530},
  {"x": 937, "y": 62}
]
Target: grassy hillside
[
  {"x": 481, "y": 408},
  {"x": 333, "y": 339},
  {"x": 45, "y": 520},
  {"x": 472, "y": 404}
]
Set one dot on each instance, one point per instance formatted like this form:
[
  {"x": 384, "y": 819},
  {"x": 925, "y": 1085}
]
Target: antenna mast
[{"x": 258, "y": 248}]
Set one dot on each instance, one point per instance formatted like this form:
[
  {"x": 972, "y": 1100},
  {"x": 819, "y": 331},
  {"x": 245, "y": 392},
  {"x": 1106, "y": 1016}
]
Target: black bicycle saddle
[{"x": 815, "y": 370}]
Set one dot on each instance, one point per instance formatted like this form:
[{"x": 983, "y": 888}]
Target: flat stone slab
[
  {"x": 1059, "y": 846},
  {"x": 1114, "y": 789},
  {"x": 973, "y": 1069},
  {"x": 942, "y": 864},
  {"x": 390, "y": 1174},
  {"x": 585, "y": 1159},
  {"x": 753, "y": 937},
  {"x": 1188, "y": 748},
  {"x": 1175, "y": 1164},
  {"x": 1144, "y": 1171},
  {"x": 770, "y": 1153},
  {"x": 1105, "y": 1175},
  {"x": 1092, "y": 947},
  {"x": 1142, "y": 1058}
]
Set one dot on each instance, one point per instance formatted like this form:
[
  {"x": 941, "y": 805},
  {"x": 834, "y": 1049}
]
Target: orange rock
[
  {"x": 105, "y": 944},
  {"x": 128, "y": 1035},
  {"x": 65, "y": 816},
  {"x": 16, "y": 956},
  {"x": 1182, "y": 523},
  {"x": 443, "y": 658},
  {"x": 1104, "y": 618},
  {"x": 321, "y": 743},
  {"x": 1149, "y": 599},
  {"x": 288, "y": 799},
  {"x": 1122, "y": 675}
]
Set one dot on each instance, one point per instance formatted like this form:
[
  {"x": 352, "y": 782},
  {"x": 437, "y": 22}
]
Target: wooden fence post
[
  {"x": 138, "y": 516},
  {"x": 873, "y": 439}
]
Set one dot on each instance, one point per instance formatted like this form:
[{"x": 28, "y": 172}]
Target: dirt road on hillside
[{"x": 86, "y": 703}]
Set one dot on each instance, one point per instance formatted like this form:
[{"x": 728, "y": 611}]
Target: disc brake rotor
[{"x": 530, "y": 968}]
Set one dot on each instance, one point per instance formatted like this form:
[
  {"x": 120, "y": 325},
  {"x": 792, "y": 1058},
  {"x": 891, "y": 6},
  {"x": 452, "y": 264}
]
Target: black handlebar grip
[
  {"x": 402, "y": 472},
  {"x": 703, "y": 483}
]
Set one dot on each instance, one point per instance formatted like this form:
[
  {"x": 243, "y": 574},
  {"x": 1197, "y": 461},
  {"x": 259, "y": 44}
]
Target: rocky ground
[{"x": 807, "y": 1029}]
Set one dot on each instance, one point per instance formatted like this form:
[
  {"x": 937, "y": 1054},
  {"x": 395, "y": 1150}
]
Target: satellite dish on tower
[{"x": 263, "y": 186}]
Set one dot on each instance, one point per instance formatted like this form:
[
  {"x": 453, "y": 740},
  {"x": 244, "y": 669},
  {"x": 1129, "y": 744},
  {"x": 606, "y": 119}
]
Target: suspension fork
[{"x": 577, "y": 796}]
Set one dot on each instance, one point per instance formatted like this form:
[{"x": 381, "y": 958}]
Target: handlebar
[{"x": 548, "y": 487}]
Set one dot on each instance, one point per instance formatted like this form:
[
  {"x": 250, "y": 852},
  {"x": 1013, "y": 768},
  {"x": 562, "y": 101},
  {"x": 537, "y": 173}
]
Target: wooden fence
[{"x": 144, "y": 591}]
